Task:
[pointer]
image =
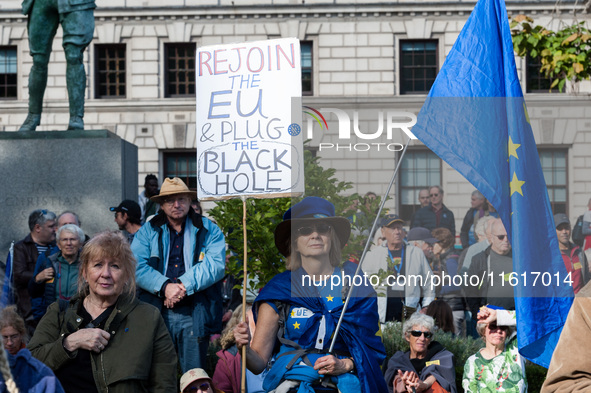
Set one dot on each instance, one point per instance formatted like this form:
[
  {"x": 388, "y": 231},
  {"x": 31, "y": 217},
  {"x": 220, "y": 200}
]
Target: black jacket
[{"x": 425, "y": 217}]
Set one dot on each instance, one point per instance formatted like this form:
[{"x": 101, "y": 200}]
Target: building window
[
  {"x": 180, "y": 70},
  {"x": 7, "y": 72},
  {"x": 555, "y": 173},
  {"x": 306, "y": 54},
  {"x": 420, "y": 169},
  {"x": 536, "y": 81},
  {"x": 418, "y": 66},
  {"x": 182, "y": 164},
  {"x": 110, "y": 70}
]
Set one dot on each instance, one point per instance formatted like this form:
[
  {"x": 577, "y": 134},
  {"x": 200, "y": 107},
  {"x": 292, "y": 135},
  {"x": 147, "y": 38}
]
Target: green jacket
[{"x": 139, "y": 357}]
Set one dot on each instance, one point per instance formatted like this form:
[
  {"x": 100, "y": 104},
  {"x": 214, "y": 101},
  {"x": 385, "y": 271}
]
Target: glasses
[
  {"x": 204, "y": 387},
  {"x": 321, "y": 229},
  {"x": 171, "y": 201},
  {"x": 433, "y": 195},
  {"x": 69, "y": 239},
  {"x": 417, "y": 333},
  {"x": 501, "y": 237},
  {"x": 12, "y": 338}
]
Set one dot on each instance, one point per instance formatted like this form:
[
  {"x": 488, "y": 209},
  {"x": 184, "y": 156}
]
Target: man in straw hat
[{"x": 181, "y": 261}]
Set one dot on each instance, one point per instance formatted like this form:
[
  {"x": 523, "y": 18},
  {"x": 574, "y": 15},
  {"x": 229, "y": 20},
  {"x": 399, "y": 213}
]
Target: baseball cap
[
  {"x": 420, "y": 233},
  {"x": 193, "y": 375},
  {"x": 130, "y": 207},
  {"x": 559, "y": 219},
  {"x": 390, "y": 219}
]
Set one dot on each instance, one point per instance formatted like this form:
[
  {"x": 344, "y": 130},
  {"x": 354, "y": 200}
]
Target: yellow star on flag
[
  {"x": 329, "y": 298},
  {"x": 296, "y": 325},
  {"x": 516, "y": 184},
  {"x": 293, "y": 314},
  {"x": 513, "y": 148}
]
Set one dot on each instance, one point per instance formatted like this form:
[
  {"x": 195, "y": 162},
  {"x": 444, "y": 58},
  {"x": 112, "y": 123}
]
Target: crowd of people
[{"x": 132, "y": 310}]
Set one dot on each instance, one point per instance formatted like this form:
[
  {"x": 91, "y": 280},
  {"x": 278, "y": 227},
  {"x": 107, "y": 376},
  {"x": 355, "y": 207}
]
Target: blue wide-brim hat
[{"x": 307, "y": 211}]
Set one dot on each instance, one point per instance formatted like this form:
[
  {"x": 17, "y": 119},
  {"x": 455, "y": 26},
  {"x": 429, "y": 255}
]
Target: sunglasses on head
[
  {"x": 203, "y": 387},
  {"x": 321, "y": 229},
  {"x": 417, "y": 333}
]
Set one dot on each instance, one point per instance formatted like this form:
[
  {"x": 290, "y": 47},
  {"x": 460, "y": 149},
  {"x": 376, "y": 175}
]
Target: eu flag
[{"x": 476, "y": 120}]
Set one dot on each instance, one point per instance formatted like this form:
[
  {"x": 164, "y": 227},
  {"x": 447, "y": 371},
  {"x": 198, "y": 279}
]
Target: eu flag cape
[
  {"x": 358, "y": 329},
  {"x": 476, "y": 120}
]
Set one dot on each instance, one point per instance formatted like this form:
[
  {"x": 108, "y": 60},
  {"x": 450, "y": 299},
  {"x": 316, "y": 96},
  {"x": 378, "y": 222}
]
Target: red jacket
[{"x": 226, "y": 376}]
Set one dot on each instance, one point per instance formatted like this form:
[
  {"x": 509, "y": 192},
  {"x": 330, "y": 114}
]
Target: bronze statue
[{"x": 77, "y": 20}]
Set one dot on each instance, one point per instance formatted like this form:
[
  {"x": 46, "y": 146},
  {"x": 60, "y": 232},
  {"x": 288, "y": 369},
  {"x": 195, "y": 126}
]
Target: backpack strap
[{"x": 298, "y": 352}]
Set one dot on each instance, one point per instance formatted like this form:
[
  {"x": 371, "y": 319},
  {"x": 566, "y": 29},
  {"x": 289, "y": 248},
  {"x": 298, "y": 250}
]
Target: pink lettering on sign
[{"x": 257, "y": 58}]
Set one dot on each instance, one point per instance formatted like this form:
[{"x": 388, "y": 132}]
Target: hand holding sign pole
[{"x": 246, "y": 143}]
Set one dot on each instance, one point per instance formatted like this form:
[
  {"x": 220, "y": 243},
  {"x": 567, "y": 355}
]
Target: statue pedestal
[{"x": 83, "y": 171}]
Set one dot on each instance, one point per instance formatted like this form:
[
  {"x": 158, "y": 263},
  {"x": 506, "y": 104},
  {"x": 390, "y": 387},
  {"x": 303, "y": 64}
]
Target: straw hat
[
  {"x": 173, "y": 187},
  {"x": 310, "y": 210}
]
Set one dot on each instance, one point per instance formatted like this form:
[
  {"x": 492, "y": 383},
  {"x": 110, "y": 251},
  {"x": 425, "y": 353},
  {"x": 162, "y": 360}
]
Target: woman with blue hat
[{"x": 300, "y": 309}]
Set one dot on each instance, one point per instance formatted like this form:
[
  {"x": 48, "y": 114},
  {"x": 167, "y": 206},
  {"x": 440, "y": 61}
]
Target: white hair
[{"x": 418, "y": 319}]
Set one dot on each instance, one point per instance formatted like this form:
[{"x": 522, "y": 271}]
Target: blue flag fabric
[
  {"x": 7, "y": 296},
  {"x": 476, "y": 120}
]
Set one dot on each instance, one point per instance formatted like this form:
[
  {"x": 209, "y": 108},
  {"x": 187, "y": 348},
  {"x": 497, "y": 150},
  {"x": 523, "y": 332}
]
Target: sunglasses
[
  {"x": 321, "y": 229},
  {"x": 417, "y": 333},
  {"x": 193, "y": 389},
  {"x": 501, "y": 237},
  {"x": 492, "y": 327},
  {"x": 433, "y": 195}
]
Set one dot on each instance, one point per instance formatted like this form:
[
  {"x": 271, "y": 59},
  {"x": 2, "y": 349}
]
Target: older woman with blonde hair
[
  {"x": 498, "y": 367},
  {"x": 298, "y": 310},
  {"x": 104, "y": 339}
]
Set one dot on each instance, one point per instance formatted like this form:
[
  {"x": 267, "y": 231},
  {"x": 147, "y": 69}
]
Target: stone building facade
[{"x": 359, "y": 55}]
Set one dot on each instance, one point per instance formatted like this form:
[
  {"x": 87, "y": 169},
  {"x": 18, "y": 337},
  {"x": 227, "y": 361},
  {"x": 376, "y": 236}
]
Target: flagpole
[
  {"x": 367, "y": 244},
  {"x": 244, "y": 286}
]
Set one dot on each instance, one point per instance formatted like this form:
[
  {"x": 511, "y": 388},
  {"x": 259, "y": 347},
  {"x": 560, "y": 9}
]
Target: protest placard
[{"x": 248, "y": 143}]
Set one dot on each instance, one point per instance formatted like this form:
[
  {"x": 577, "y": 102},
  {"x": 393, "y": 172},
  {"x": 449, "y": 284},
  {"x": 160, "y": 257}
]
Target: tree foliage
[
  {"x": 263, "y": 215},
  {"x": 564, "y": 54}
]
